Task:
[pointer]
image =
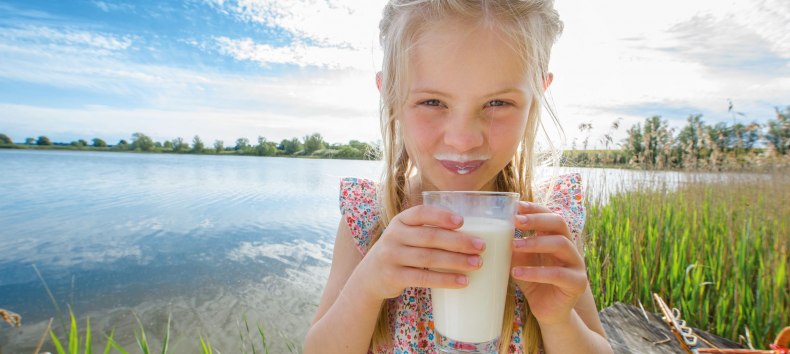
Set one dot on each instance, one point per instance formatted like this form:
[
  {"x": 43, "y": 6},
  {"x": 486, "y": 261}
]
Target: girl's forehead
[{"x": 456, "y": 53}]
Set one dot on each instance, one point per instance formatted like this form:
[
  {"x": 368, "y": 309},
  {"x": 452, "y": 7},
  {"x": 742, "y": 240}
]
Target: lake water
[{"x": 208, "y": 239}]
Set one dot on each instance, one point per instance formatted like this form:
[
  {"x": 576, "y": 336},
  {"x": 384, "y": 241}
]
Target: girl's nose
[{"x": 463, "y": 134}]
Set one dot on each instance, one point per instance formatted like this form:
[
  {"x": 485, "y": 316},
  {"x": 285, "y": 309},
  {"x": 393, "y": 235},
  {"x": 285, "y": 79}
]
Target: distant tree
[
  {"x": 158, "y": 145},
  {"x": 778, "y": 135},
  {"x": 291, "y": 146},
  {"x": 99, "y": 143},
  {"x": 43, "y": 140},
  {"x": 633, "y": 144},
  {"x": 313, "y": 143},
  {"x": 349, "y": 152},
  {"x": 179, "y": 145},
  {"x": 122, "y": 145},
  {"x": 265, "y": 148},
  {"x": 4, "y": 139},
  {"x": 168, "y": 145},
  {"x": 690, "y": 141},
  {"x": 197, "y": 145},
  {"x": 219, "y": 145},
  {"x": 30, "y": 141},
  {"x": 79, "y": 143},
  {"x": 142, "y": 142},
  {"x": 242, "y": 144}
]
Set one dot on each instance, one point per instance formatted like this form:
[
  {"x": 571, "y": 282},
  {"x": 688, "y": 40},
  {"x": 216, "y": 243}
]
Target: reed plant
[{"x": 715, "y": 250}]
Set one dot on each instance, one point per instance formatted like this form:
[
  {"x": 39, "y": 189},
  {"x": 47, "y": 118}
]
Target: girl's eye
[
  {"x": 432, "y": 102},
  {"x": 496, "y": 103}
]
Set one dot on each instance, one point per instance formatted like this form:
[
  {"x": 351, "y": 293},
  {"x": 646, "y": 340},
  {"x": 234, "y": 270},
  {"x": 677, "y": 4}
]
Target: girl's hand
[
  {"x": 547, "y": 267},
  {"x": 408, "y": 253}
]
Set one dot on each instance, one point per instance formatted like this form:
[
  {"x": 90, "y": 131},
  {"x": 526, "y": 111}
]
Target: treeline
[
  {"x": 695, "y": 146},
  {"x": 309, "y": 146}
]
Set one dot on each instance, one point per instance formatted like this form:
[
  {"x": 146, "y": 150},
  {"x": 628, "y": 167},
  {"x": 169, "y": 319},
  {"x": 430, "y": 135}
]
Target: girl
[{"x": 462, "y": 84}]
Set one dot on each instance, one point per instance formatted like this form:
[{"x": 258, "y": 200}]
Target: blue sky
[{"x": 224, "y": 69}]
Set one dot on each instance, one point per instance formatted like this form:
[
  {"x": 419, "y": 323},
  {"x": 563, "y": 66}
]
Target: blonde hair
[{"x": 532, "y": 26}]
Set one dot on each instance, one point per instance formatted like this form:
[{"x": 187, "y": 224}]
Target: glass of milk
[{"x": 469, "y": 320}]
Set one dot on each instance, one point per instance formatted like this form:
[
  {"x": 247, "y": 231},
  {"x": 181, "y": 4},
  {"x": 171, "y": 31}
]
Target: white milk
[{"x": 474, "y": 313}]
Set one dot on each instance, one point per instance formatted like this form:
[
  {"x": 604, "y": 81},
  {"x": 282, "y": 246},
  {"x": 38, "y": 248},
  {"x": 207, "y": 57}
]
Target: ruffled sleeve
[
  {"x": 359, "y": 209},
  {"x": 566, "y": 198}
]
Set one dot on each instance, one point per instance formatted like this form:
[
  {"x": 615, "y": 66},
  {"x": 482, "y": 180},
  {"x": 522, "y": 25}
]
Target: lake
[{"x": 207, "y": 239}]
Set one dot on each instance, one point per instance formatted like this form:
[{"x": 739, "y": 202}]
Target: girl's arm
[
  {"x": 582, "y": 329},
  {"x": 345, "y": 319}
]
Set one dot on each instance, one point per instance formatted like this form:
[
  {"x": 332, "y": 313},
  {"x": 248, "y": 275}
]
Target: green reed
[
  {"x": 75, "y": 336},
  {"x": 715, "y": 250}
]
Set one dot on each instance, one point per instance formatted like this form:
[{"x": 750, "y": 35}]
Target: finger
[
  {"x": 423, "y": 278},
  {"x": 564, "y": 278},
  {"x": 532, "y": 208},
  {"x": 543, "y": 222},
  {"x": 434, "y": 237},
  {"x": 556, "y": 245},
  {"x": 432, "y": 258},
  {"x": 430, "y": 215}
]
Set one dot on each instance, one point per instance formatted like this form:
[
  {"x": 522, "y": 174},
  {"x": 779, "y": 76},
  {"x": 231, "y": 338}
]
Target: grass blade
[
  {"x": 88, "y": 349},
  {"x": 109, "y": 341},
  {"x": 142, "y": 341},
  {"x": 205, "y": 345},
  {"x": 263, "y": 338},
  {"x": 74, "y": 341},
  {"x": 167, "y": 335},
  {"x": 55, "y": 341},
  {"x": 52, "y": 298}
]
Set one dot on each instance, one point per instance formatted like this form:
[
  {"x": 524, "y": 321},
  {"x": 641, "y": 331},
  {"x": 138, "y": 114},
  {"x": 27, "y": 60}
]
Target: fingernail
[
  {"x": 517, "y": 272},
  {"x": 522, "y": 219},
  {"x": 457, "y": 219},
  {"x": 525, "y": 204},
  {"x": 474, "y": 260},
  {"x": 479, "y": 244},
  {"x": 461, "y": 279},
  {"x": 520, "y": 243}
]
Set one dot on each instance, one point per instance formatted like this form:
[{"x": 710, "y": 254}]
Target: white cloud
[
  {"x": 44, "y": 36},
  {"x": 328, "y": 34},
  {"x": 296, "y": 53},
  {"x": 325, "y": 22}
]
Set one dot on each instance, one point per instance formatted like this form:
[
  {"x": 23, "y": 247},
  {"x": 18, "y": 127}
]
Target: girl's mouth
[{"x": 462, "y": 168}]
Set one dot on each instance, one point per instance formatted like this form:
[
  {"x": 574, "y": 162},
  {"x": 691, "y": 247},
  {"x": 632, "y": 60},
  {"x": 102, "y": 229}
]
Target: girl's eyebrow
[
  {"x": 445, "y": 94},
  {"x": 431, "y": 92},
  {"x": 507, "y": 91}
]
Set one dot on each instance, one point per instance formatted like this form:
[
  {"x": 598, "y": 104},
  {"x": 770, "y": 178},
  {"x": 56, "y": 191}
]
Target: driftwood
[{"x": 630, "y": 332}]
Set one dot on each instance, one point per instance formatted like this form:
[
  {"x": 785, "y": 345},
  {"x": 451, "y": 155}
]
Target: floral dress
[{"x": 411, "y": 318}]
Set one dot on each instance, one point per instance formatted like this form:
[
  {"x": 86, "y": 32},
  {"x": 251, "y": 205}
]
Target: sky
[{"x": 225, "y": 69}]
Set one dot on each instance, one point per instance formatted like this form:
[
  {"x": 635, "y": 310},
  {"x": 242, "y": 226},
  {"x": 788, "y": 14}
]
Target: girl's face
[{"x": 467, "y": 105}]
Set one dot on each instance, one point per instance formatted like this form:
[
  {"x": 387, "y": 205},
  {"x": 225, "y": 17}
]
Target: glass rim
[{"x": 483, "y": 193}]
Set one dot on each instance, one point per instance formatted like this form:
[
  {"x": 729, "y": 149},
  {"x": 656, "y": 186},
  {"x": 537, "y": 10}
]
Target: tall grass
[{"x": 717, "y": 251}]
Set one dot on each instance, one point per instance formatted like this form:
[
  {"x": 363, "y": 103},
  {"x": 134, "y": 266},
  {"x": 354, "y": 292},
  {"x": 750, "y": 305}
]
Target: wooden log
[{"x": 629, "y": 331}]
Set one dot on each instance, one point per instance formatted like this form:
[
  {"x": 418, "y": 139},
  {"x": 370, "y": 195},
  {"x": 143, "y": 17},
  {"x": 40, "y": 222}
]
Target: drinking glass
[{"x": 469, "y": 320}]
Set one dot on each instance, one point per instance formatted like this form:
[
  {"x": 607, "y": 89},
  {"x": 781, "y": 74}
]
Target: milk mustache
[{"x": 474, "y": 313}]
